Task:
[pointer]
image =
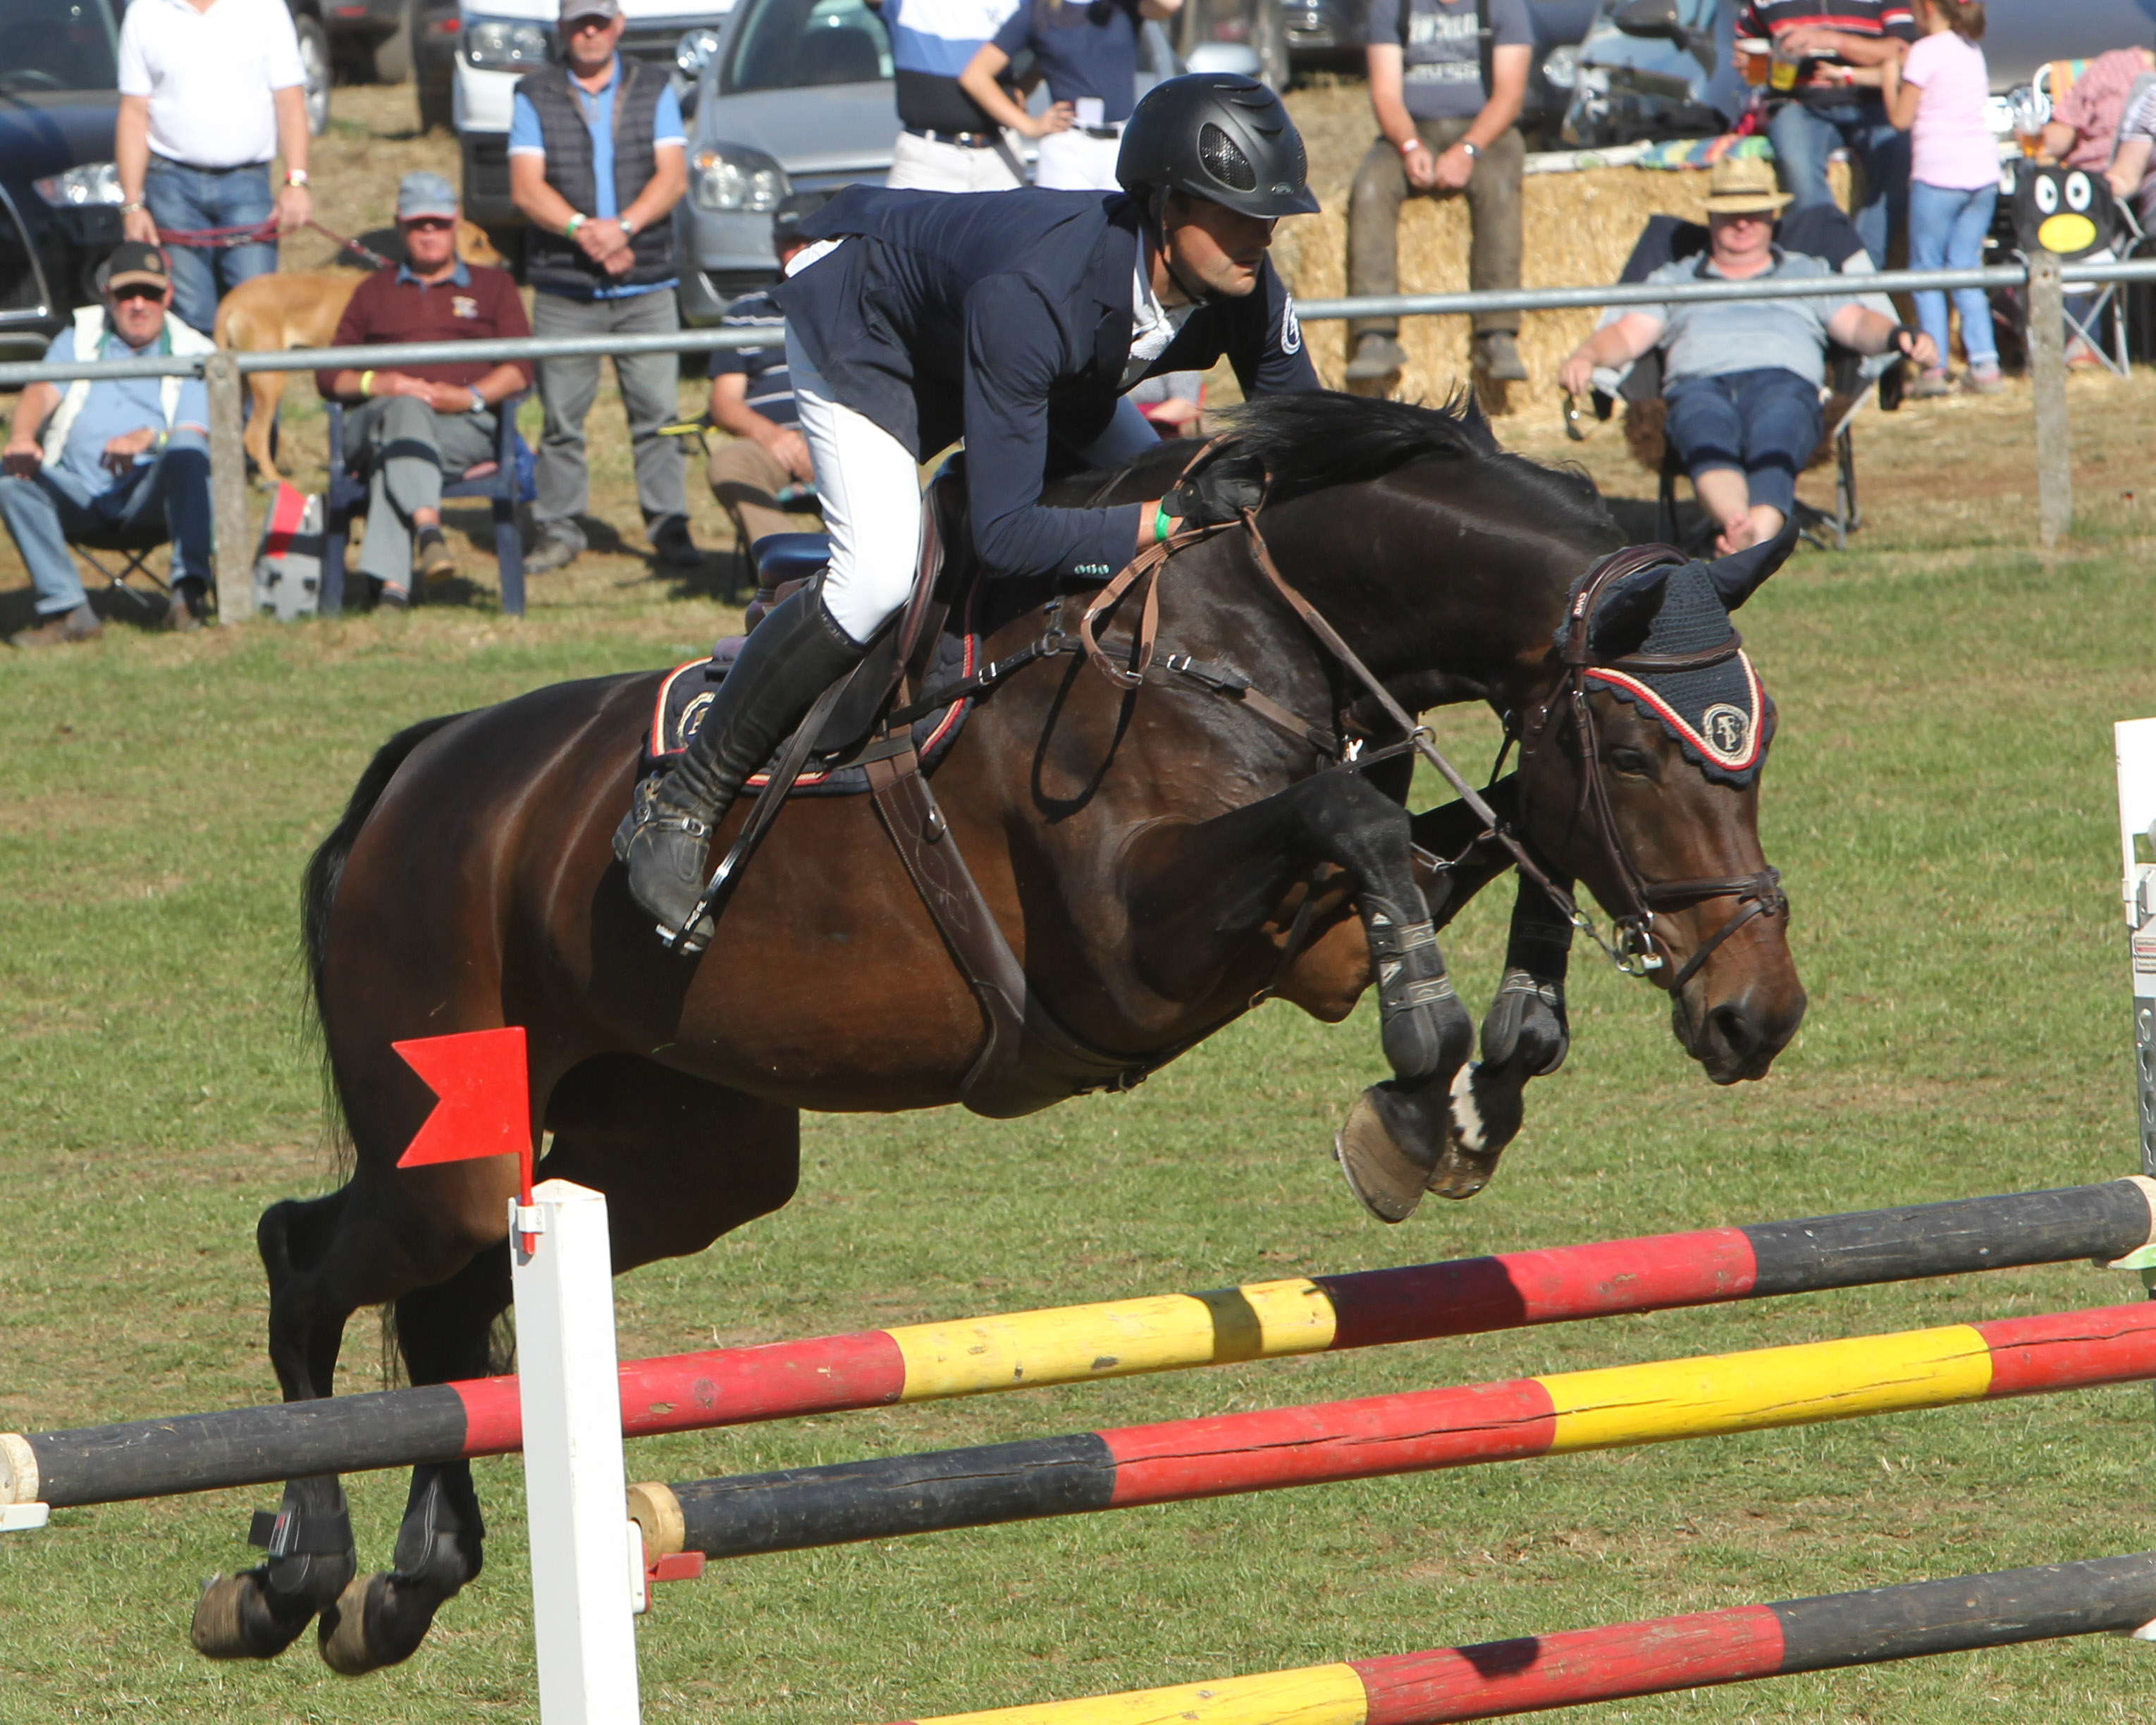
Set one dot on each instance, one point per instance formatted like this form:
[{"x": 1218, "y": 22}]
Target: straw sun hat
[{"x": 1743, "y": 185}]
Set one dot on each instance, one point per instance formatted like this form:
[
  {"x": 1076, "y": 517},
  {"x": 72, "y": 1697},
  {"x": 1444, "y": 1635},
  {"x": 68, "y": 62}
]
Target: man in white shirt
[{"x": 210, "y": 90}]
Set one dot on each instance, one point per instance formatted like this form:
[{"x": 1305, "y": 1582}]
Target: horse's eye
[{"x": 1631, "y": 761}]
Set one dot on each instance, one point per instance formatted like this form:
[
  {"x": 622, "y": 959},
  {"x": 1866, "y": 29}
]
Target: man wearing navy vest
[{"x": 597, "y": 162}]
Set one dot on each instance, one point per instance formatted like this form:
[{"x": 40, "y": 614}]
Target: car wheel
[
  {"x": 393, "y": 54},
  {"x": 315, "y": 66}
]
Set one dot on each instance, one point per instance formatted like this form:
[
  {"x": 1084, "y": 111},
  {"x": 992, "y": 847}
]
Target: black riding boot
[{"x": 795, "y": 654}]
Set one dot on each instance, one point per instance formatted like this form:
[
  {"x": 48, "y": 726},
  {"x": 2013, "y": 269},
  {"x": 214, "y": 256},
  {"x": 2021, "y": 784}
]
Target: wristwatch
[
  {"x": 296, "y": 176},
  {"x": 1474, "y": 150},
  {"x": 627, "y": 227},
  {"x": 478, "y": 401}
]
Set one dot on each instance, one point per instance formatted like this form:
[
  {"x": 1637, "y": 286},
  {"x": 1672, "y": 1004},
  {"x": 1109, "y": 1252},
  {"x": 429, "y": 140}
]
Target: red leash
[{"x": 224, "y": 239}]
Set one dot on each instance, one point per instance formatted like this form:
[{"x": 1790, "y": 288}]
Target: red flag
[{"x": 486, "y": 1105}]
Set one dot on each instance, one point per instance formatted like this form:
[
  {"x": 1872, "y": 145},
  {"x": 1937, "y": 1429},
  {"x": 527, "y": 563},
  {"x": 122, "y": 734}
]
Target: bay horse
[{"x": 1158, "y": 858}]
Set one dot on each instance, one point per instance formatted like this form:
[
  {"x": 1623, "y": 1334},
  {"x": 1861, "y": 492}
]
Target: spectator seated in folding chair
[
  {"x": 114, "y": 465},
  {"x": 402, "y": 439},
  {"x": 2091, "y": 108},
  {"x": 1751, "y": 392}
]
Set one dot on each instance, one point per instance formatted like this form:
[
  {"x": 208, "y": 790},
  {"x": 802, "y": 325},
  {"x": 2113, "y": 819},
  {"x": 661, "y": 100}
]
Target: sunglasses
[
  {"x": 591, "y": 22},
  {"x": 429, "y": 224},
  {"x": 139, "y": 290}
]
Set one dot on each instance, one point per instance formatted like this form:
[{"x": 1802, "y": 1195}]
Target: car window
[
  {"x": 791, "y": 44},
  {"x": 56, "y": 44}
]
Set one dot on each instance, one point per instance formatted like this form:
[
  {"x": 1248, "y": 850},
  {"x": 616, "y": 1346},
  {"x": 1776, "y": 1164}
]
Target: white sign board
[{"x": 2136, "y": 740}]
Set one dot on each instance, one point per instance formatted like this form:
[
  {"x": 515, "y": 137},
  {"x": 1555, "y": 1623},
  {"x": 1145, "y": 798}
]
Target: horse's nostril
[{"x": 1735, "y": 1028}]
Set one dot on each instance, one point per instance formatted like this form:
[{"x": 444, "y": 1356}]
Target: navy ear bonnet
[{"x": 1719, "y": 715}]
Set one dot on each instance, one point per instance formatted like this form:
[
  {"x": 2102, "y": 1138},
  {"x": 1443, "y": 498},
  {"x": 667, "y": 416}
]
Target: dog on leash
[{"x": 301, "y": 308}]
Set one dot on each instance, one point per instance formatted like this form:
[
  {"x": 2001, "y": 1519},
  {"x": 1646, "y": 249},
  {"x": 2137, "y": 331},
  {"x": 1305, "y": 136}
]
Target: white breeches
[
  {"x": 870, "y": 486},
  {"x": 1072, "y": 162}
]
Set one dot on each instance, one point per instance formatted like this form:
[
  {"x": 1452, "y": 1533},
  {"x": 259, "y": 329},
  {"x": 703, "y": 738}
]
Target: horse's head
[{"x": 1640, "y": 775}]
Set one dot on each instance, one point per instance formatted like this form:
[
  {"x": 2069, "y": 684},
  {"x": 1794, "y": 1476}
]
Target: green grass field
[{"x": 1939, "y": 800}]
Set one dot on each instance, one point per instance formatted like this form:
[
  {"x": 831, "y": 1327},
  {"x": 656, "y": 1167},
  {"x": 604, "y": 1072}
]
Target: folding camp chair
[
  {"x": 1821, "y": 231},
  {"x": 500, "y": 481},
  {"x": 132, "y": 546}
]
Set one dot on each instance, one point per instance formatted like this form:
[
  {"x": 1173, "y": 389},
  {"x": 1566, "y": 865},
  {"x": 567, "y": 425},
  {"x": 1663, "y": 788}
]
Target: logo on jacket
[
  {"x": 1290, "y": 330},
  {"x": 463, "y": 305}
]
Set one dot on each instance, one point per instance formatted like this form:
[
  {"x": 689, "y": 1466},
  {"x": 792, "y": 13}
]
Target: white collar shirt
[
  {"x": 208, "y": 76},
  {"x": 1153, "y": 325}
]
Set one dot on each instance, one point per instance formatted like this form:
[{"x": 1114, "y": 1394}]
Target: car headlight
[
  {"x": 93, "y": 183},
  {"x": 694, "y": 52},
  {"x": 503, "y": 44},
  {"x": 727, "y": 176},
  {"x": 1562, "y": 67}
]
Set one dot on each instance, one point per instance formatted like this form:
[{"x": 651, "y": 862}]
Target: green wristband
[{"x": 1160, "y": 522}]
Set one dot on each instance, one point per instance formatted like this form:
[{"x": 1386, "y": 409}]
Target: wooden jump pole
[
  {"x": 1070, "y": 1344},
  {"x": 1559, "y": 1413},
  {"x": 1703, "y": 1648}
]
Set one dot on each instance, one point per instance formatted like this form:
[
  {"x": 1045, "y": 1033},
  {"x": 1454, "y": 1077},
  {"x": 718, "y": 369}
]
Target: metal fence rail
[{"x": 2046, "y": 279}]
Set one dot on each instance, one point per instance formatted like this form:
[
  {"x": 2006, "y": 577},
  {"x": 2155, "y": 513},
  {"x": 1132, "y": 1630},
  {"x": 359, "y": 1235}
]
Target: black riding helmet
[{"x": 1220, "y": 137}]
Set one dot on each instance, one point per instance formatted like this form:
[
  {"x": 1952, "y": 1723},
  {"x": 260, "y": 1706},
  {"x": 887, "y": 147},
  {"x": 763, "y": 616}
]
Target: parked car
[
  {"x": 437, "y": 30},
  {"x": 499, "y": 41},
  {"x": 370, "y": 41},
  {"x": 797, "y": 95},
  {"x": 1661, "y": 68}
]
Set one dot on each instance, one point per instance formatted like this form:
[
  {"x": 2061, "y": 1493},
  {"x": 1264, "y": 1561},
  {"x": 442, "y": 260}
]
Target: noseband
[{"x": 1640, "y": 945}]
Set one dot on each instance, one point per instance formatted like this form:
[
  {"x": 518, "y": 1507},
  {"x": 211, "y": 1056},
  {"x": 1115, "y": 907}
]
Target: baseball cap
[
  {"x": 572, "y": 10},
  {"x": 133, "y": 261},
  {"x": 421, "y": 194}
]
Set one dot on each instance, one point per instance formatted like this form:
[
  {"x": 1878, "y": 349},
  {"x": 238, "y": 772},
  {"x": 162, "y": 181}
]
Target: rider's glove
[{"x": 1218, "y": 492}]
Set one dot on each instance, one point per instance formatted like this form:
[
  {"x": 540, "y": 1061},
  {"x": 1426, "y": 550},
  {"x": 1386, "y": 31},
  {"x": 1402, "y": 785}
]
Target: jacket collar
[
  {"x": 1115, "y": 268},
  {"x": 460, "y": 275}
]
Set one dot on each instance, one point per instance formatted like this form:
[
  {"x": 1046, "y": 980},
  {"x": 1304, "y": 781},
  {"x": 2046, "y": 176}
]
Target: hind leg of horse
[
  {"x": 258, "y": 1612},
  {"x": 380, "y": 1620}
]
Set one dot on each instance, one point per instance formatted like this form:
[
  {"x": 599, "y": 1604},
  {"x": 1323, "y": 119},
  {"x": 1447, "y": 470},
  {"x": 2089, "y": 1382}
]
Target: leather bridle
[{"x": 1640, "y": 947}]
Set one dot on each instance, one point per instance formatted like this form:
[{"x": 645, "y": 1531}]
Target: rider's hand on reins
[{"x": 1218, "y": 492}]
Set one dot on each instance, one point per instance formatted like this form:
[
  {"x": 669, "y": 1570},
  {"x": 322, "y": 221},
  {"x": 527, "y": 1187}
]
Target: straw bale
[{"x": 1578, "y": 227}]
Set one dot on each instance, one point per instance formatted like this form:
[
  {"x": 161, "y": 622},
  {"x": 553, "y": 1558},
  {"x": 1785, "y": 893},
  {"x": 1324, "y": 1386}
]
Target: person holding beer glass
[{"x": 1817, "y": 47}]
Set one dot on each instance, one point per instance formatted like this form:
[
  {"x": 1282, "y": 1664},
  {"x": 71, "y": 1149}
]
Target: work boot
[
  {"x": 1497, "y": 357},
  {"x": 671, "y": 545},
  {"x": 80, "y": 624},
  {"x": 1378, "y": 356},
  {"x": 797, "y": 652},
  {"x": 552, "y": 551},
  {"x": 431, "y": 556}
]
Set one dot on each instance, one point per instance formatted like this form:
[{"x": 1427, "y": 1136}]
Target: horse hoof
[
  {"x": 1459, "y": 1173},
  {"x": 366, "y": 1631},
  {"x": 1386, "y": 1179},
  {"x": 234, "y": 1619}
]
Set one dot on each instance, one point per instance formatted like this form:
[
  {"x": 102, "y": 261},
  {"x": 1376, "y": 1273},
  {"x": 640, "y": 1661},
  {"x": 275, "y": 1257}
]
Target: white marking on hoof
[{"x": 1466, "y": 1118}]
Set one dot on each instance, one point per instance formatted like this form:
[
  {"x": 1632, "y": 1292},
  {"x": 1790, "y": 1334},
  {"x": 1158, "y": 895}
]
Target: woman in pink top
[{"x": 1938, "y": 94}]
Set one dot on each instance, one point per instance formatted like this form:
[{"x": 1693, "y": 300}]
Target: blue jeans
[
  {"x": 45, "y": 513},
  {"x": 1764, "y": 424},
  {"x": 1946, "y": 232},
  {"x": 1802, "y": 136},
  {"x": 181, "y": 199}
]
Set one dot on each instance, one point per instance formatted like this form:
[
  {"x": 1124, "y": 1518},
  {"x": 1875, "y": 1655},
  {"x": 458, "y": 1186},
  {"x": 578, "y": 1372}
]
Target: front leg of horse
[
  {"x": 1197, "y": 892},
  {"x": 1526, "y": 1035}
]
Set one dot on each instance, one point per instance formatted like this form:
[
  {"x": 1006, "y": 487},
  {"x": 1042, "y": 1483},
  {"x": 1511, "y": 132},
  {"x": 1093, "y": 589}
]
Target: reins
[{"x": 1634, "y": 951}]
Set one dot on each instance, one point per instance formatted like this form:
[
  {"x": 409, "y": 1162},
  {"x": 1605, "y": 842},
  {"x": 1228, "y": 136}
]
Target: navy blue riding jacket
[{"x": 1005, "y": 317}]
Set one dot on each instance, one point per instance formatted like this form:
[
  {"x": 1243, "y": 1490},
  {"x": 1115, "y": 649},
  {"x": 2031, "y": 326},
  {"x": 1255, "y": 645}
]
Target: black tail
[{"x": 326, "y": 867}]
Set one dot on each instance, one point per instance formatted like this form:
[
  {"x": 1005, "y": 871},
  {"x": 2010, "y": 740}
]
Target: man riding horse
[{"x": 1017, "y": 320}]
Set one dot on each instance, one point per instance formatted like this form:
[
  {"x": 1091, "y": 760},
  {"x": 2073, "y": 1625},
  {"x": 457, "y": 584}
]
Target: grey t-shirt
[
  {"x": 1443, "y": 62},
  {"x": 1707, "y": 339}
]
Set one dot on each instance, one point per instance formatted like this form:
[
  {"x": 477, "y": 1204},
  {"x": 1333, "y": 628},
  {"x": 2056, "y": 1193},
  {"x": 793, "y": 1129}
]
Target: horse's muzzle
[{"x": 1737, "y": 1038}]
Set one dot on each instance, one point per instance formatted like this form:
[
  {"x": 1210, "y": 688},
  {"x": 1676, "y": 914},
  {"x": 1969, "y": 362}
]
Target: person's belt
[
  {"x": 963, "y": 139},
  {"x": 236, "y": 167},
  {"x": 1103, "y": 132}
]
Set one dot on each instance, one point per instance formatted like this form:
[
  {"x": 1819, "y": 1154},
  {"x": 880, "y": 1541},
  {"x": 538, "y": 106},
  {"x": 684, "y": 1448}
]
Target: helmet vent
[{"x": 1224, "y": 160}]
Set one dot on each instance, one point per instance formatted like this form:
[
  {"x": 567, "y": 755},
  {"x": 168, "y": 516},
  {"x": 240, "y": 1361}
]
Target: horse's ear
[
  {"x": 1741, "y": 574},
  {"x": 1624, "y": 615}
]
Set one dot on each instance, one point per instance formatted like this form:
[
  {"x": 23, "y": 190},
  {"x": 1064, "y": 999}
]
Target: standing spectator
[
  {"x": 752, "y": 399},
  {"x": 1939, "y": 96},
  {"x": 413, "y": 421},
  {"x": 209, "y": 91},
  {"x": 1090, "y": 55},
  {"x": 598, "y": 159},
  {"x": 111, "y": 452},
  {"x": 1832, "y": 41},
  {"x": 948, "y": 142},
  {"x": 1445, "y": 101}
]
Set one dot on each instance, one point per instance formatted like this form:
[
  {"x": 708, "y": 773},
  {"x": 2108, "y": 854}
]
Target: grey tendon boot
[{"x": 796, "y": 653}]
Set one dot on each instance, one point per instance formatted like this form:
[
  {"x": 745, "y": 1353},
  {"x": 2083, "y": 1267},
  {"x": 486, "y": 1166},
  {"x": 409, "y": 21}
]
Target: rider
[{"x": 1015, "y": 320}]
